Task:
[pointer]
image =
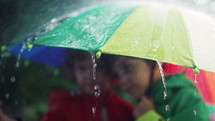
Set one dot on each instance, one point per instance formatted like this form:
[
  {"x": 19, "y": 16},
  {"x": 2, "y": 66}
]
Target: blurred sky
[{"x": 21, "y": 17}]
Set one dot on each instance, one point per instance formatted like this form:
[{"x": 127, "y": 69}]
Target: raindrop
[
  {"x": 30, "y": 46},
  {"x": 13, "y": 79},
  {"x": 96, "y": 87},
  {"x": 195, "y": 112},
  {"x": 167, "y": 108},
  {"x": 194, "y": 93},
  {"x": 168, "y": 119},
  {"x": 7, "y": 95},
  {"x": 97, "y": 93},
  {"x": 53, "y": 20},
  {"x": 196, "y": 72},
  {"x": 164, "y": 94},
  {"x": 94, "y": 110},
  {"x": 163, "y": 79},
  {"x": 94, "y": 65},
  {"x": 196, "y": 79},
  {"x": 19, "y": 55},
  {"x": 97, "y": 90}
]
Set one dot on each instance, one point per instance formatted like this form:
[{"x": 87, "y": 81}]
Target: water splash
[
  {"x": 19, "y": 55},
  {"x": 94, "y": 65},
  {"x": 97, "y": 90},
  {"x": 94, "y": 111},
  {"x": 96, "y": 86},
  {"x": 163, "y": 78}
]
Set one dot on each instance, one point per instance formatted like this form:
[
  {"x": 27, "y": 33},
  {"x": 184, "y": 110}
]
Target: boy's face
[{"x": 134, "y": 75}]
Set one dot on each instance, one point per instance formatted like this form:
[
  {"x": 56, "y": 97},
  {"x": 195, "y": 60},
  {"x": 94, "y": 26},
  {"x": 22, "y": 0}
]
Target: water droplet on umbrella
[
  {"x": 196, "y": 72},
  {"x": 53, "y": 20},
  {"x": 156, "y": 45}
]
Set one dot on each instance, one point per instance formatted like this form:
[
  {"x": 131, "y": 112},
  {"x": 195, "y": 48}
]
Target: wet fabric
[
  {"x": 157, "y": 32},
  {"x": 183, "y": 101},
  {"x": 64, "y": 106}
]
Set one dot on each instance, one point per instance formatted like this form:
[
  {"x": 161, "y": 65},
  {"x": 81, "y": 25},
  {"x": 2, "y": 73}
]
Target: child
[
  {"x": 95, "y": 101},
  {"x": 141, "y": 79}
]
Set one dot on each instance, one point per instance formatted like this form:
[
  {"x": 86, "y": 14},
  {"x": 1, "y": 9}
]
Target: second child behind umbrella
[
  {"x": 83, "y": 105},
  {"x": 141, "y": 79}
]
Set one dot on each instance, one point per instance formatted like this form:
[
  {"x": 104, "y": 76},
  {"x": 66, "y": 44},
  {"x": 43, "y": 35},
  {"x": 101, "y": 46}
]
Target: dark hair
[
  {"x": 105, "y": 62},
  {"x": 74, "y": 55},
  {"x": 151, "y": 63}
]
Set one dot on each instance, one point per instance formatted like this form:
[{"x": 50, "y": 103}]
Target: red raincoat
[{"x": 64, "y": 106}]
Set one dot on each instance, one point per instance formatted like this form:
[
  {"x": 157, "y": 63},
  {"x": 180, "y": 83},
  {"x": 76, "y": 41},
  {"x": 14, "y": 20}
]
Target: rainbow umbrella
[{"x": 152, "y": 31}]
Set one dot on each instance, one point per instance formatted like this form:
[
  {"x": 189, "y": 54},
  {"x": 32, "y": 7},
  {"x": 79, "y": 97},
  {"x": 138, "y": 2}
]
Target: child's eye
[
  {"x": 128, "y": 69},
  {"x": 82, "y": 68}
]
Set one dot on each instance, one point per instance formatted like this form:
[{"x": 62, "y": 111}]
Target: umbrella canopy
[
  {"x": 151, "y": 31},
  {"x": 51, "y": 56}
]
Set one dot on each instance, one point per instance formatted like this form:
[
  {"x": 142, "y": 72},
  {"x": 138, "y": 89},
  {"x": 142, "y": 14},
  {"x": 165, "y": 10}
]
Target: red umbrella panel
[{"x": 204, "y": 81}]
